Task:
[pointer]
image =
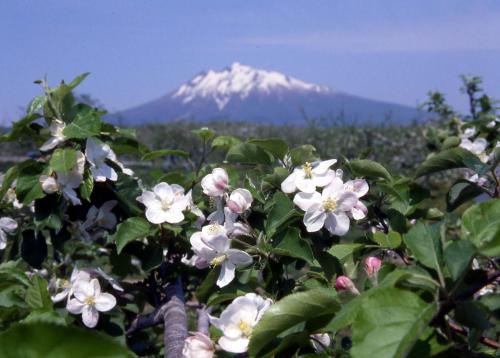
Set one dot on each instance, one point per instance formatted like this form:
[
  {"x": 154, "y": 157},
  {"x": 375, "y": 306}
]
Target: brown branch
[
  {"x": 486, "y": 341},
  {"x": 147, "y": 320},
  {"x": 175, "y": 321}
]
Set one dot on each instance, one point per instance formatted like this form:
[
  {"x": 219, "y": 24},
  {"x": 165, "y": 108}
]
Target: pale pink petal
[
  {"x": 314, "y": 218},
  {"x": 90, "y": 316},
  {"x": 105, "y": 302},
  {"x": 305, "y": 200}
]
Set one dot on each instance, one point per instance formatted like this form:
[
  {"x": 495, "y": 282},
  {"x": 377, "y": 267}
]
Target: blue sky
[{"x": 140, "y": 50}]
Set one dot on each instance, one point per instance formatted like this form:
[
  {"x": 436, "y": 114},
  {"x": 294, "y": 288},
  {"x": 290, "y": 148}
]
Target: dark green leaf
[
  {"x": 481, "y": 226},
  {"x": 289, "y": 243},
  {"x": 458, "y": 255},
  {"x": 461, "y": 192},
  {"x": 369, "y": 168},
  {"x": 391, "y": 240},
  {"x": 134, "y": 228},
  {"x": 63, "y": 160},
  {"x": 28, "y": 186},
  {"x": 247, "y": 153},
  {"x": 225, "y": 142},
  {"x": 86, "y": 124},
  {"x": 37, "y": 295},
  {"x": 451, "y": 159},
  {"x": 281, "y": 212},
  {"x": 302, "y": 154},
  {"x": 164, "y": 153},
  {"x": 203, "y": 133},
  {"x": 274, "y": 145},
  {"x": 425, "y": 244}
]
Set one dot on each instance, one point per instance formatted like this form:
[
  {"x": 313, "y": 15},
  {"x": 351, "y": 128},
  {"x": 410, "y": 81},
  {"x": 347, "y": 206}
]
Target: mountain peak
[{"x": 240, "y": 80}]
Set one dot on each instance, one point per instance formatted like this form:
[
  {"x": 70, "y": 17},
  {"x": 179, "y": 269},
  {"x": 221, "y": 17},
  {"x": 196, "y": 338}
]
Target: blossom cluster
[{"x": 335, "y": 205}]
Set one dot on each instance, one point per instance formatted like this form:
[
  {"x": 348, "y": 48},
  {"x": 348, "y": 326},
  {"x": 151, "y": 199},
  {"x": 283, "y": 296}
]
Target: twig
[
  {"x": 203, "y": 320},
  {"x": 486, "y": 341},
  {"x": 147, "y": 320}
]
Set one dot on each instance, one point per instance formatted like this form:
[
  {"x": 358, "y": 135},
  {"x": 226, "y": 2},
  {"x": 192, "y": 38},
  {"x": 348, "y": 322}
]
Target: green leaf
[
  {"x": 87, "y": 185},
  {"x": 225, "y": 142},
  {"x": 341, "y": 251},
  {"x": 164, "y": 153},
  {"x": 289, "y": 243},
  {"x": 458, "y": 255},
  {"x": 302, "y": 154},
  {"x": 77, "y": 80},
  {"x": 40, "y": 340},
  {"x": 391, "y": 239},
  {"x": 451, "y": 159},
  {"x": 450, "y": 142},
  {"x": 425, "y": 244},
  {"x": 20, "y": 128},
  {"x": 247, "y": 153},
  {"x": 28, "y": 186},
  {"x": 389, "y": 323},
  {"x": 291, "y": 310},
  {"x": 36, "y": 104},
  {"x": 481, "y": 226},
  {"x": 461, "y": 192},
  {"x": 37, "y": 295},
  {"x": 281, "y": 212},
  {"x": 63, "y": 160},
  {"x": 134, "y": 228},
  {"x": 203, "y": 133},
  {"x": 86, "y": 124},
  {"x": 369, "y": 168},
  {"x": 274, "y": 145}
]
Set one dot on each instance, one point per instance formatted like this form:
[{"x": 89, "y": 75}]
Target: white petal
[
  {"x": 219, "y": 243},
  {"x": 359, "y": 211},
  {"x": 306, "y": 185},
  {"x": 105, "y": 302},
  {"x": 51, "y": 143},
  {"x": 305, "y": 200},
  {"x": 346, "y": 201},
  {"x": 239, "y": 345},
  {"x": 337, "y": 223},
  {"x": 314, "y": 218},
  {"x": 164, "y": 192},
  {"x": 288, "y": 186},
  {"x": 226, "y": 274},
  {"x": 90, "y": 316},
  {"x": 60, "y": 296},
  {"x": 174, "y": 216},
  {"x": 75, "y": 306},
  {"x": 238, "y": 257},
  {"x": 49, "y": 184},
  {"x": 357, "y": 186},
  {"x": 322, "y": 167},
  {"x": 8, "y": 224},
  {"x": 334, "y": 189},
  {"x": 149, "y": 199},
  {"x": 324, "y": 179},
  {"x": 70, "y": 194},
  {"x": 156, "y": 216}
]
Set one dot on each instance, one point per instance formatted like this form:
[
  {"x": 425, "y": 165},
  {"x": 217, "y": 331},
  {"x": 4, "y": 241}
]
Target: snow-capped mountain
[{"x": 241, "y": 92}]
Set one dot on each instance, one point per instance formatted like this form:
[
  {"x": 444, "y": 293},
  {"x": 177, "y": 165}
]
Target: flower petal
[
  {"x": 105, "y": 302},
  {"x": 164, "y": 192},
  {"x": 90, "y": 316},
  {"x": 226, "y": 274},
  {"x": 305, "y": 200},
  {"x": 288, "y": 186},
  {"x": 314, "y": 218},
  {"x": 239, "y": 345},
  {"x": 306, "y": 185},
  {"x": 337, "y": 223},
  {"x": 75, "y": 306},
  {"x": 239, "y": 257},
  {"x": 8, "y": 224}
]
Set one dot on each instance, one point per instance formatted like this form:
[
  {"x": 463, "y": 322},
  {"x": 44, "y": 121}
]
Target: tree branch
[
  {"x": 486, "y": 341},
  {"x": 203, "y": 320},
  {"x": 175, "y": 321}
]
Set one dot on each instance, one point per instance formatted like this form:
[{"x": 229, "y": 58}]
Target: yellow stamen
[
  {"x": 165, "y": 205},
  {"x": 65, "y": 283},
  {"x": 245, "y": 328},
  {"x": 330, "y": 204},
  {"x": 218, "y": 260},
  {"x": 307, "y": 168},
  {"x": 89, "y": 301},
  {"x": 214, "y": 229}
]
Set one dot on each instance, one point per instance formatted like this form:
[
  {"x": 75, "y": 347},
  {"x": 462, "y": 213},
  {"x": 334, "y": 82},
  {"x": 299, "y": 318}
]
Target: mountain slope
[{"x": 244, "y": 93}]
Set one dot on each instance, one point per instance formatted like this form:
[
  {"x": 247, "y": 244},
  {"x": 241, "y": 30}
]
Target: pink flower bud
[
  {"x": 215, "y": 183},
  {"x": 344, "y": 283},
  {"x": 372, "y": 266},
  {"x": 239, "y": 201}
]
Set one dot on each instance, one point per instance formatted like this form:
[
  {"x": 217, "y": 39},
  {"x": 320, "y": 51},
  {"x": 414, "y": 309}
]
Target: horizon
[{"x": 137, "y": 53}]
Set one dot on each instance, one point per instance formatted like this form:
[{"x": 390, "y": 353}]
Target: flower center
[
  {"x": 65, "y": 283},
  {"x": 214, "y": 229},
  {"x": 307, "y": 168},
  {"x": 330, "y": 204},
  {"x": 89, "y": 301},
  {"x": 217, "y": 260},
  {"x": 165, "y": 204},
  {"x": 245, "y": 328}
]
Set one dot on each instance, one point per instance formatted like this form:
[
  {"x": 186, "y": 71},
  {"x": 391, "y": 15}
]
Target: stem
[
  {"x": 486, "y": 341},
  {"x": 263, "y": 253},
  {"x": 175, "y": 320},
  {"x": 203, "y": 320},
  {"x": 497, "y": 184}
]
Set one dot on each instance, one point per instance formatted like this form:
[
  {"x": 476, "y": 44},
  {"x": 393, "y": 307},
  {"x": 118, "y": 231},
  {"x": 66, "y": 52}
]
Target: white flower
[
  {"x": 360, "y": 188},
  {"x": 328, "y": 209},
  {"x": 194, "y": 209},
  {"x": 163, "y": 204},
  {"x": 66, "y": 183},
  {"x": 239, "y": 201},
  {"x": 198, "y": 345},
  {"x": 469, "y": 132},
  {"x": 215, "y": 184},
  {"x": 234, "y": 228},
  {"x": 97, "y": 153},
  {"x": 238, "y": 320},
  {"x": 320, "y": 341},
  {"x": 309, "y": 176},
  {"x": 89, "y": 301},
  {"x": 212, "y": 247},
  {"x": 478, "y": 146},
  {"x": 56, "y": 131},
  {"x": 99, "y": 219},
  {"x": 67, "y": 286},
  {"x": 7, "y": 225}
]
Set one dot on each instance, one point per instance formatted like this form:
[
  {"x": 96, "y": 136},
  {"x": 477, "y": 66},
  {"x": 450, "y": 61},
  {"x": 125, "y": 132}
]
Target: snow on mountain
[
  {"x": 239, "y": 80},
  {"x": 243, "y": 93}
]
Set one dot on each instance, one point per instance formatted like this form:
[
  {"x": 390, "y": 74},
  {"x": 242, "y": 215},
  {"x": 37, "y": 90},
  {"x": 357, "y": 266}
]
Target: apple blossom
[
  {"x": 198, "y": 345},
  {"x": 57, "y": 137},
  {"x": 478, "y": 147},
  {"x": 212, "y": 247},
  {"x": 239, "y": 201},
  {"x": 344, "y": 283},
  {"x": 97, "y": 153},
  {"x": 7, "y": 225},
  {"x": 68, "y": 285},
  {"x": 163, "y": 204},
  {"x": 360, "y": 188},
  {"x": 309, "y": 176},
  {"x": 99, "y": 219},
  {"x": 328, "y": 209},
  {"x": 215, "y": 183},
  {"x": 238, "y": 320},
  {"x": 89, "y": 301},
  {"x": 66, "y": 182}
]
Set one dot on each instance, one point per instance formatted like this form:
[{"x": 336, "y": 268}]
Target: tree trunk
[{"x": 175, "y": 321}]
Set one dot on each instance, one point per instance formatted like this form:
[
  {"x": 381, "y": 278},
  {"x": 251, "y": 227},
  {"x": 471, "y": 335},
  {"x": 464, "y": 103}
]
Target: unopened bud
[
  {"x": 372, "y": 266},
  {"x": 344, "y": 283}
]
